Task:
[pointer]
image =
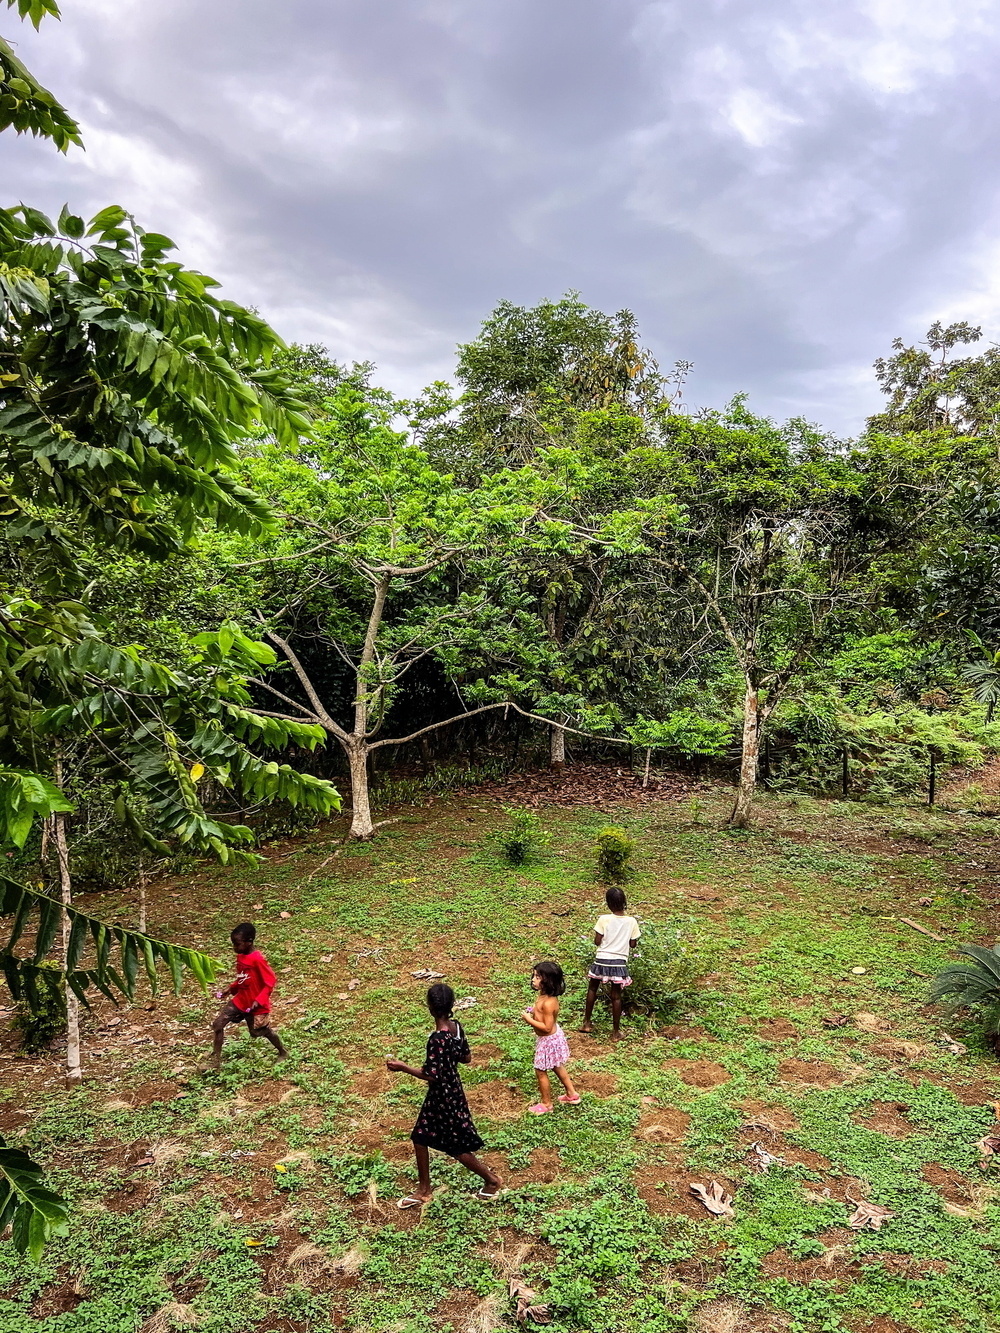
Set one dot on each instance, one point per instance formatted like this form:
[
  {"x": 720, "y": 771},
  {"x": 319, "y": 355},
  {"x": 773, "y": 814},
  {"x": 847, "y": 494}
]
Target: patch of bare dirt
[
  {"x": 59, "y": 1297},
  {"x": 768, "y": 1116},
  {"x": 905, "y": 1265},
  {"x": 134, "y": 1194},
  {"x": 268, "y": 1093},
  {"x": 666, "y": 1188},
  {"x": 485, "y": 1051},
  {"x": 834, "y": 1265},
  {"x": 887, "y": 1118},
  {"x": 979, "y": 1093},
  {"x": 668, "y": 1125},
  {"x": 12, "y": 1119},
  {"x": 776, "y": 1144},
  {"x": 372, "y": 1082},
  {"x": 159, "y": 1090},
  {"x": 777, "y": 1029},
  {"x": 879, "y": 1323},
  {"x": 815, "y": 1072},
  {"x": 952, "y": 1185},
  {"x": 698, "y": 1073},
  {"x": 546, "y": 1166},
  {"x": 681, "y": 1032},
  {"x": 496, "y": 1100},
  {"x": 598, "y": 1085}
]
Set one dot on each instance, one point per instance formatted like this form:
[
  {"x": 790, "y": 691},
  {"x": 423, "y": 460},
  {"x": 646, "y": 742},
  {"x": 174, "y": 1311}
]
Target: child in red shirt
[{"x": 251, "y": 995}]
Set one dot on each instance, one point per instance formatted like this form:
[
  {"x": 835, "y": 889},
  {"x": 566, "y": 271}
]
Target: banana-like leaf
[
  {"x": 33, "y": 1212},
  {"x": 27, "y": 980}
]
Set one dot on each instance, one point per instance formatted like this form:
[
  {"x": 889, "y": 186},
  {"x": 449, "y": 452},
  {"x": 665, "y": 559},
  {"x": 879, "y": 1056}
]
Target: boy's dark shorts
[{"x": 258, "y": 1024}]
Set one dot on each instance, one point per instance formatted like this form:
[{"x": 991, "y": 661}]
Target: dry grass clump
[{"x": 171, "y": 1317}]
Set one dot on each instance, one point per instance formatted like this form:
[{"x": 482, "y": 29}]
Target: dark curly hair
[
  {"x": 440, "y": 1000},
  {"x": 551, "y": 977}
]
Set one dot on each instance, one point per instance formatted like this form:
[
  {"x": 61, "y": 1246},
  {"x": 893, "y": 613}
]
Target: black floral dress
[{"x": 444, "y": 1121}]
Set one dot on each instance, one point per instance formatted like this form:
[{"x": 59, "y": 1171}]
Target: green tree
[
  {"x": 25, "y": 106},
  {"x": 773, "y": 555}
]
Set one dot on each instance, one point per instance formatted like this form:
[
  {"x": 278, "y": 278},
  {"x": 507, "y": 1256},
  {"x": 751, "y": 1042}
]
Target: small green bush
[
  {"x": 525, "y": 839},
  {"x": 614, "y": 851},
  {"x": 667, "y": 971},
  {"x": 39, "y": 1028}
]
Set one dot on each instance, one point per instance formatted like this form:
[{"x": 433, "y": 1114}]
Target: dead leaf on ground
[
  {"x": 952, "y": 1046},
  {"x": 284, "y": 915},
  {"x": 988, "y": 1147},
  {"x": 836, "y": 1021},
  {"x": 466, "y": 1002},
  {"x": 143, "y": 1161},
  {"x": 868, "y": 1216},
  {"x": 425, "y": 974},
  {"x": 526, "y": 1303},
  {"x": 714, "y": 1197},
  {"x": 760, "y": 1159}
]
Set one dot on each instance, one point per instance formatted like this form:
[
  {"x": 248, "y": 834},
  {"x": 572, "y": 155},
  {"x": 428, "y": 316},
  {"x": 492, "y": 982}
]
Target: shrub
[
  {"x": 524, "y": 839},
  {"x": 667, "y": 971},
  {"x": 39, "y": 1029},
  {"x": 974, "y": 985},
  {"x": 614, "y": 851}
]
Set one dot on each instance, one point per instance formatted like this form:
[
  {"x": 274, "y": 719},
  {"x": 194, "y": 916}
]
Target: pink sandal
[
  {"x": 570, "y": 1101},
  {"x": 539, "y": 1108}
]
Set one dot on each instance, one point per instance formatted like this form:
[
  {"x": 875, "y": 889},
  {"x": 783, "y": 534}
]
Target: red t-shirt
[{"x": 254, "y": 982}]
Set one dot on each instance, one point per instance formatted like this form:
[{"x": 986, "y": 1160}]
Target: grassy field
[{"x": 263, "y": 1199}]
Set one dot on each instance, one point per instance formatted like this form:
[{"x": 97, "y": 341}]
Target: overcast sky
[{"x": 776, "y": 187}]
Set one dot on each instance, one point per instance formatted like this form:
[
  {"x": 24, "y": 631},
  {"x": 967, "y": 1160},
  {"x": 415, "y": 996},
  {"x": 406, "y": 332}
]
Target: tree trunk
[
  {"x": 740, "y": 818},
  {"x": 142, "y": 903},
  {"x": 73, "y": 1070},
  {"x": 361, "y": 814},
  {"x": 645, "y": 773},
  {"x": 557, "y": 749}
]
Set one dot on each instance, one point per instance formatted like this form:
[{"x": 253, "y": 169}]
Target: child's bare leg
[
  {"x": 276, "y": 1042},
  {"x": 423, "y": 1156},
  {"x": 218, "y": 1037},
  {"x": 565, "y": 1080},
  {"x": 616, "y": 1012},
  {"x": 588, "y": 1008},
  {"x": 489, "y": 1178},
  {"x": 544, "y": 1087}
]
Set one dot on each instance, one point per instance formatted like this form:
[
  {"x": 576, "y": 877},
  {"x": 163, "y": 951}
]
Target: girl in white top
[{"x": 615, "y": 936}]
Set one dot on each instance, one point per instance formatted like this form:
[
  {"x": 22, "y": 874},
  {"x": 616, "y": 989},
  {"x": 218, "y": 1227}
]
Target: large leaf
[
  {"x": 117, "y": 952},
  {"x": 33, "y": 1212}
]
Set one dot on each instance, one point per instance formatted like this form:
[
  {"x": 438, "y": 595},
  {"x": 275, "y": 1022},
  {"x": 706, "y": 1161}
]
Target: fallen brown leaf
[
  {"x": 868, "y": 1216},
  {"x": 836, "y": 1021},
  {"x": 526, "y": 1303},
  {"x": 714, "y": 1197}
]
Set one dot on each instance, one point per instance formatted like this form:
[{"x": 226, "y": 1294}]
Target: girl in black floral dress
[{"x": 444, "y": 1121}]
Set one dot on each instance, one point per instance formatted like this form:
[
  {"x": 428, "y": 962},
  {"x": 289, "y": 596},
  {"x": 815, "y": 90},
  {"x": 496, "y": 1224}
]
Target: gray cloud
[{"x": 776, "y": 188}]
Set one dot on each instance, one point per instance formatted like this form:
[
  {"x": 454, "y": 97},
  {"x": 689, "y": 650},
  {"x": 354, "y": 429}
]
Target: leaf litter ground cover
[{"x": 262, "y": 1200}]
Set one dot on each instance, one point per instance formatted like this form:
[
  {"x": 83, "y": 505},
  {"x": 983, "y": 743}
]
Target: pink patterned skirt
[{"x": 551, "y": 1050}]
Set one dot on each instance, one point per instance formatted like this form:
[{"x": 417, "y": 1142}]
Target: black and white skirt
[{"x": 612, "y": 970}]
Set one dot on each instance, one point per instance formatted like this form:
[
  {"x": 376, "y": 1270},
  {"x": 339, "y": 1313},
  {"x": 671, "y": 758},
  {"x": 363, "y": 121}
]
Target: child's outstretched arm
[{"x": 398, "y": 1067}]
